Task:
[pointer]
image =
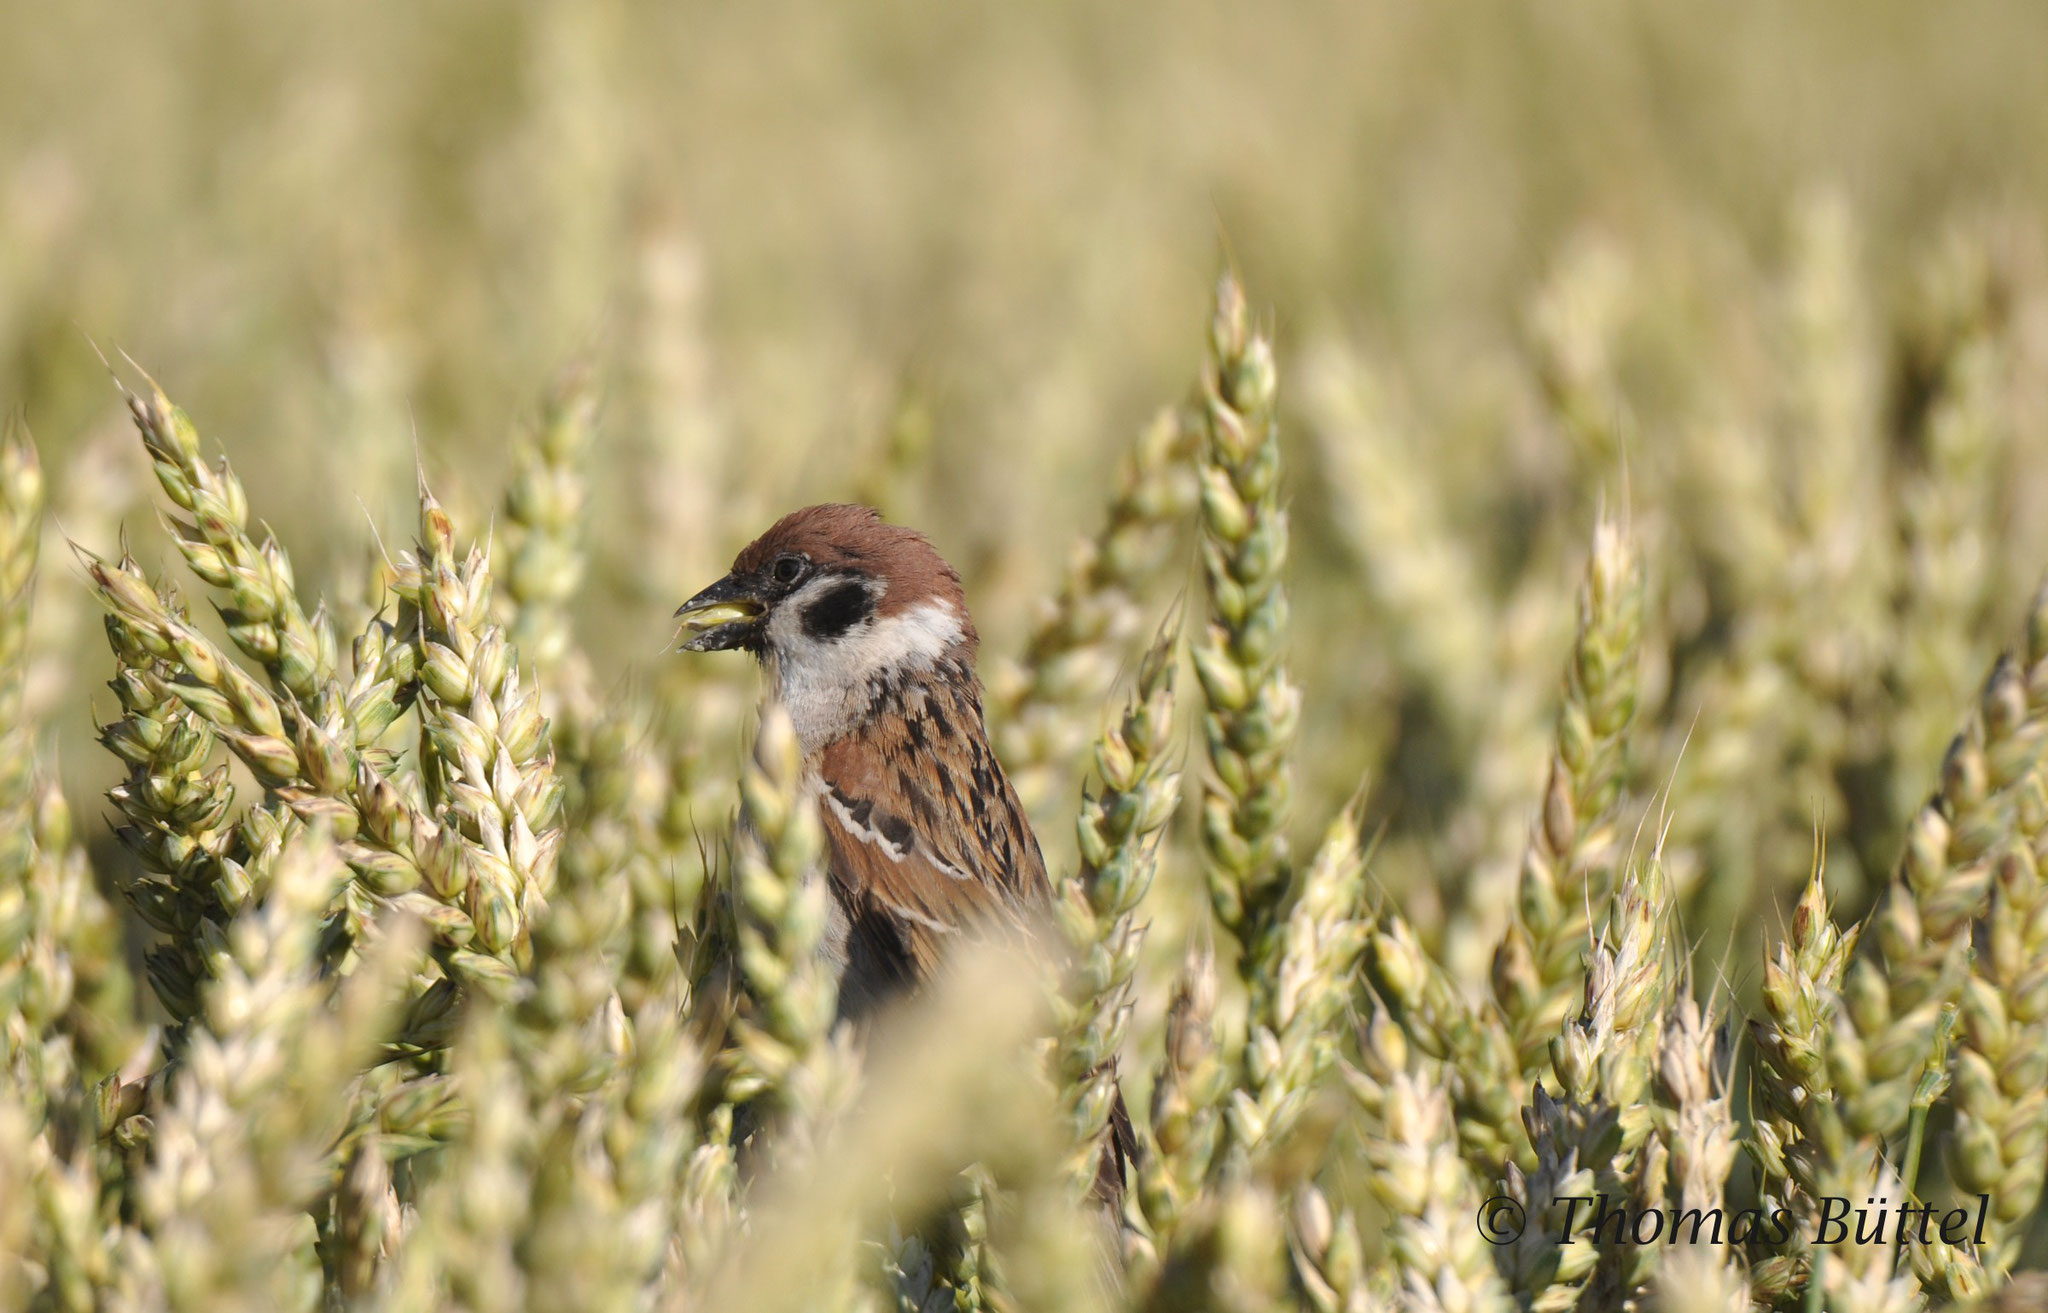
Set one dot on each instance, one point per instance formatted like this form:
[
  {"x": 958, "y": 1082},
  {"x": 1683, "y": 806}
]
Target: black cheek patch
[{"x": 838, "y": 611}]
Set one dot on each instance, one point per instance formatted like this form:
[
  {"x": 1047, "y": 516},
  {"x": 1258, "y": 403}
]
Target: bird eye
[{"x": 788, "y": 569}]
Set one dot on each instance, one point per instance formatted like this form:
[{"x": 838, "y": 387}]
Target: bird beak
[{"x": 725, "y": 615}]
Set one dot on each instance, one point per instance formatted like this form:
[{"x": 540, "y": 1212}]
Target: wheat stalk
[
  {"x": 1185, "y": 1124},
  {"x": 241, "y": 1137},
  {"x": 1082, "y": 634},
  {"x": 1478, "y": 1057},
  {"x": 1119, "y": 834},
  {"x": 1697, "y": 1127},
  {"x": 1418, "y": 1176},
  {"x": 487, "y": 769},
  {"x": 1253, "y": 708},
  {"x": 1805, "y": 1143},
  {"x": 1290, "y": 1043},
  {"x": 1568, "y": 866},
  {"x": 1900, "y": 1006},
  {"x": 544, "y": 506},
  {"x": 2002, "y": 1041},
  {"x": 64, "y": 992},
  {"x": 783, "y": 1046}
]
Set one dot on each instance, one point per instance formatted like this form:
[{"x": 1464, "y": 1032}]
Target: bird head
[{"x": 832, "y": 598}]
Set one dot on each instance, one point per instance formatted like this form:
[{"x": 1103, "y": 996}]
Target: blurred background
[{"x": 1717, "y": 269}]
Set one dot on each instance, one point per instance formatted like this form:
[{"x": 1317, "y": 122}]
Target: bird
[{"x": 863, "y": 632}]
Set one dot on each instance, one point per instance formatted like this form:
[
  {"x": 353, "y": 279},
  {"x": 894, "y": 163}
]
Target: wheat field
[{"x": 1510, "y": 543}]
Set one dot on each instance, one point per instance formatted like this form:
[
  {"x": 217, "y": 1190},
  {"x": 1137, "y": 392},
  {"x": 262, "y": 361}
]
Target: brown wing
[{"x": 925, "y": 836}]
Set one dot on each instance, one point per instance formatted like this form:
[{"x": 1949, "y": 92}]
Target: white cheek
[
  {"x": 825, "y": 682},
  {"x": 913, "y": 640}
]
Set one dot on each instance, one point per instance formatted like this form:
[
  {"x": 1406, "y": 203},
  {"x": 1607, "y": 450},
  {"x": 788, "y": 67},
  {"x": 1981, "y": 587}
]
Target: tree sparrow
[{"x": 864, "y": 632}]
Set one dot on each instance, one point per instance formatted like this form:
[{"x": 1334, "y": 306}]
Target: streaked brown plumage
[{"x": 864, "y": 630}]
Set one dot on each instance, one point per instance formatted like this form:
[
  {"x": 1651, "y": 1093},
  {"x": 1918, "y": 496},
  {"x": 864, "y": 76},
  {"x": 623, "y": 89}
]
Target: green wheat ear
[
  {"x": 545, "y": 506},
  {"x": 487, "y": 770},
  {"x": 65, "y": 996},
  {"x": 1253, "y": 708},
  {"x": 1119, "y": 834},
  {"x": 1184, "y": 1126},
  {"x": 1568, "y": 866},
  {"x": 2002, "y": 1035},
  {"x": 782, "y": 1049}
]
